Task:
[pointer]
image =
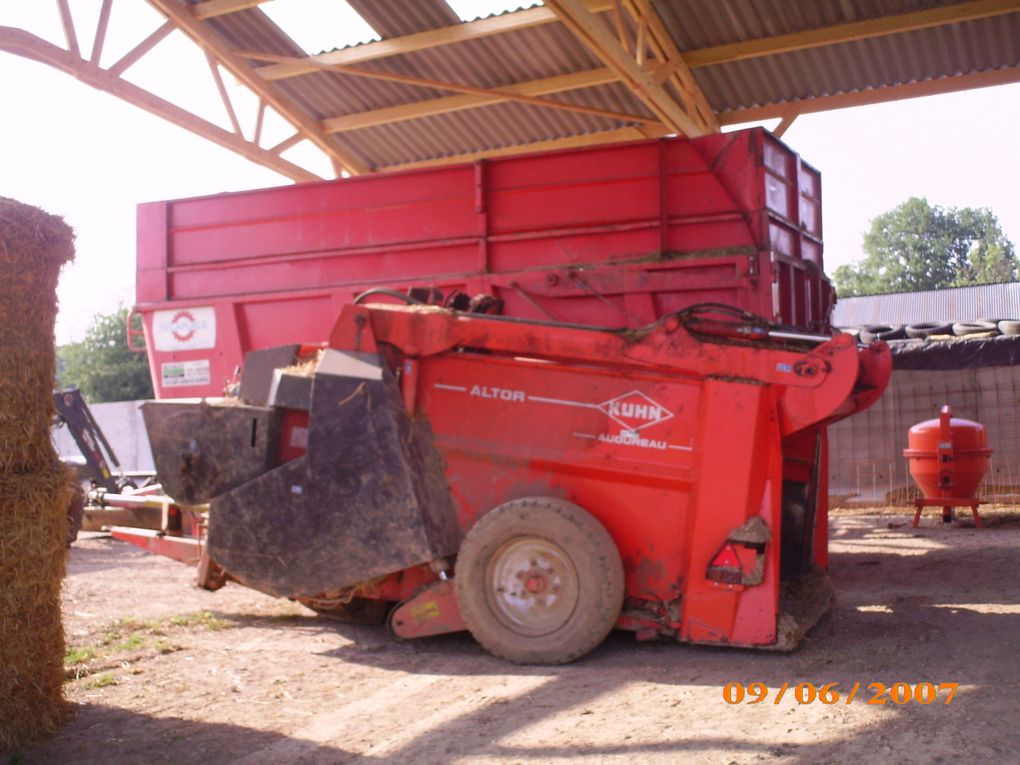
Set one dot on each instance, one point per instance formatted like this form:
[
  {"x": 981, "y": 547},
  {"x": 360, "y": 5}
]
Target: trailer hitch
[{"x": 741, "y": 559}]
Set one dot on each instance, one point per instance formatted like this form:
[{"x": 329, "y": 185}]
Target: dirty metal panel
[
  {"x": 291, "y": 391},
  {"x": 266, "y": 535},
  {"x": 369, "y": 498},
  {"x": 202, "y": 450},
  {"x": 259, "y": 368}
]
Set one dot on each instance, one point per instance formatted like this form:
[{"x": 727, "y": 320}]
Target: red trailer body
[
  {"x": 537, "y": 483},
  {"x": 612, "y": 236},
  {"x": 701, "y": 456}
]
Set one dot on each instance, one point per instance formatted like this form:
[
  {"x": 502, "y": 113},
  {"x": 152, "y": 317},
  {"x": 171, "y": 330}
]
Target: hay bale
[
  {"x": 33, "y": 537},
  {"x": 35, "y": 488},
  {"x": 33, "y": 247}
]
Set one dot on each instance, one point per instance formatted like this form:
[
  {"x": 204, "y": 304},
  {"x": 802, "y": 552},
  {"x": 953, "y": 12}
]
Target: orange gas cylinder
[{"x": 948, "y": 456}]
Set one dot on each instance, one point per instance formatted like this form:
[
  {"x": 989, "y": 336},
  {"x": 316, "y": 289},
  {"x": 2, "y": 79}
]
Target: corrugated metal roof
[
  {"x": 393, "y": 18},
  {"x": 551, "y": 49},
  {"x": 996, "y": 301},
  {"x": 971, "y": 46},
  {"x": 697, "y": 24}
]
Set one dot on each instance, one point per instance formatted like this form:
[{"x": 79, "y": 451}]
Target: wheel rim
[{"x": 531, "y": 585}]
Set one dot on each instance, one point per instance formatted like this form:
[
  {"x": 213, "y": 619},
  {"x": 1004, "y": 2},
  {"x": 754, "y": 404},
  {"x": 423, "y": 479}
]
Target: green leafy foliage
[
  {"x": 102, "y": 366},
  {"x": 920, "y": 246}
]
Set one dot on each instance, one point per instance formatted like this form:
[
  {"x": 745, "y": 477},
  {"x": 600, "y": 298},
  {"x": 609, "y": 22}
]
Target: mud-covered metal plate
[{"x": 203, "y": 449}]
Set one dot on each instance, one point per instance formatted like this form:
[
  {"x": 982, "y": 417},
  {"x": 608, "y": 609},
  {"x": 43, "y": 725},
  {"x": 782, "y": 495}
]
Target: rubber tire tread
[
  {"x": 590, "y": 548},
  {"x": 75, "y": 514},
  {"x": 964, "y": 328},
  {"x": 922, "y": 330},
  {"x": 871, "y": 332}
]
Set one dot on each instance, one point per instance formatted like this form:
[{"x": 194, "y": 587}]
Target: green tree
[
  {"x": 919, "y": 246},
  {"x": 102, "y": 366}
]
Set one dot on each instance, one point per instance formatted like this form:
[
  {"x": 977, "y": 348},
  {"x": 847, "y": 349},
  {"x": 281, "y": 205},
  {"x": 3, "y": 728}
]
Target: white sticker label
[
  {"x": 184, "y": 329},
  {"x": 178, "y": 374}
]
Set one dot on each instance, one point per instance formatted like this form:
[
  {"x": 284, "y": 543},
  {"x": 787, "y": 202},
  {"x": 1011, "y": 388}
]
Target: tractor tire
[
  {"x": 75, "y": 514},
  {"x": 924, "y": 330},
  {"x": 539, "y": 581},
  {"x": 871, "y": 332},
  {"x": 964, "y": 328}
]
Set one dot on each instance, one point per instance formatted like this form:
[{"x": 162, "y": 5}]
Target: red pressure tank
[{"x": 948, "y": 456}]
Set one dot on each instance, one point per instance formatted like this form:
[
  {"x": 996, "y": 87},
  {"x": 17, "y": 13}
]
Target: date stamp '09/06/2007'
[{"x": 829, "y": 693}]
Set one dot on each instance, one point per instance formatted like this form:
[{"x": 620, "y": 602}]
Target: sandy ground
[{"x": 172, "y": 674}]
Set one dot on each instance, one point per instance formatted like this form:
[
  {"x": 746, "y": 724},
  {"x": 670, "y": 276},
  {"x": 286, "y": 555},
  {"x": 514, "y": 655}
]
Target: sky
[{"x": 91, "y": 158}]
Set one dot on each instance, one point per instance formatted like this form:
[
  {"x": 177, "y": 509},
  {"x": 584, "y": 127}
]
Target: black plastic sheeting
[{"x": 1001, "y": 351}]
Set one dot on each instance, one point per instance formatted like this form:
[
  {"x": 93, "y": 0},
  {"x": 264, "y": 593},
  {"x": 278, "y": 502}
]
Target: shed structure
[
  {"x": 435, "y": 89},
  {"x": 979, "y": 378}
]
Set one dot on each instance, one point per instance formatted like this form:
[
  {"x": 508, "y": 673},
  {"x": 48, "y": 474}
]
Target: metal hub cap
[{"x": 531, "y": 585}]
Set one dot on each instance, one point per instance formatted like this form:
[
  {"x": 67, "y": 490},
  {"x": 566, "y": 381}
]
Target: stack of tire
[{"x": 981, "y": 328}]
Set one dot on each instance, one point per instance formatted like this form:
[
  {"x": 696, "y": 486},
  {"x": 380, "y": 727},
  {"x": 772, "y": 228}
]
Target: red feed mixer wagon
[{"x": 595, "y": 397}]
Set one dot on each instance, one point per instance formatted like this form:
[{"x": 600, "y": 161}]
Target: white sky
[{"x": 92, "y": 158}]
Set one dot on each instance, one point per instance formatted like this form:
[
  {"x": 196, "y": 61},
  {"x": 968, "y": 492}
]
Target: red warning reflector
[{"x": 725, "y": 567}]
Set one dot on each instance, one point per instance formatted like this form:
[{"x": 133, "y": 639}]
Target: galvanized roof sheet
[
  {"x": 995, "y": 301},
  {"x": 544, "y": 50},
  {"x": 971, "y": 46}
]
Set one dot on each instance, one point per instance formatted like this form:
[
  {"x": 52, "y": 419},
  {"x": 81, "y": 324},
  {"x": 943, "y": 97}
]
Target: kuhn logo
[
  {"x": 183, "y": 326},
  {"x": 634, "y": 411}
]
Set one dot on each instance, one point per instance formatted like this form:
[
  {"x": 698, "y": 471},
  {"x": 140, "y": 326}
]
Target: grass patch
[
  {"x": 132, "y": 634},
  {"x": 203, "y": 619},
  {"x": 101, "y": 680},
  {"x": 131, "y": 642},
  {"x": 79, "y": 655},
  {"x": 164, "y": 647}
]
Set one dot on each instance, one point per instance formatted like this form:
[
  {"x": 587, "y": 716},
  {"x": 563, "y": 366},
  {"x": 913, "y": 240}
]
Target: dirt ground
[{"x": 161, "y": 672}]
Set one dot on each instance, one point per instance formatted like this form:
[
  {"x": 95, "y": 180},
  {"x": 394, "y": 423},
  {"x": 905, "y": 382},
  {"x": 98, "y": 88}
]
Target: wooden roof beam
[
  {"x": 857, "y": 30},
  {"x": 873, "y": 96},
  {"x": 590, "y": 30},
  {"x": 135, "y": 55},
  {"x": 431, "y": 107},
  {"x": 588, "y": 139},
  {"x": 67, "y": 22},
  {"x": 100, "y": 37},
  {"x": 182, "y": 17},
  {"x": 212, "y": 8},
  {"x": 22, "y": 43},
  {"x": 665, "y": 48},
  {"x": 503, "y": 93},
  {"x": 394, "y": 46}
]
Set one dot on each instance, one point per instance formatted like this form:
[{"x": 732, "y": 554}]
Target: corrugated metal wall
[
  {"x": 996, "y": 301},
  {"x": 866, "y": 463}
]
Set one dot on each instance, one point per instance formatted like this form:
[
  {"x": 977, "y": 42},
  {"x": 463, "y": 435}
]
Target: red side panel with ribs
[{"x": 613, "y": 236}]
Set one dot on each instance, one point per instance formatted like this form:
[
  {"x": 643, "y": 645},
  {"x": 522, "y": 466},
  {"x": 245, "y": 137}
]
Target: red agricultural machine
[{"x": 600, "y": 400}]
